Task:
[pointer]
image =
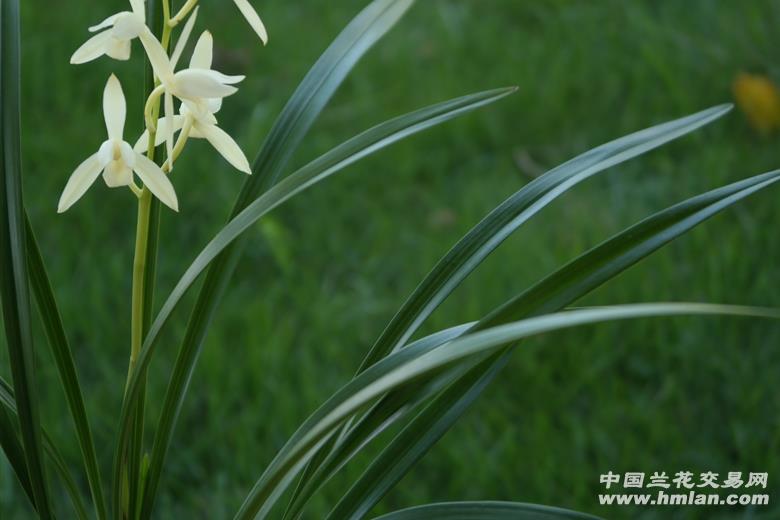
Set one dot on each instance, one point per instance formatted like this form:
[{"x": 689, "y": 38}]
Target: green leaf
[
  {"x": 14, "y": 452},
  {"x": 66, "y": 368},
  {"x": 416, "y": 363},
  {"x": 14, "y": 290},
  {"x": 496, "y": 227},
  {"x": 314, "y": 92},
  {"x": 332, "y": 162},
  {"x": 477, "y": 245},
  {"x": 561, "y": 288},
  {"x": 293, "y": 124},
  {"x": 485, "y": 511},
  {"x": 408, "y": 446},
  {"x": 9, "y": 404},
  {"x": 386, "y": 413}
]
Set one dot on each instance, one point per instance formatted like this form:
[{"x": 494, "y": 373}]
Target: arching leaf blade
[
  {"x": 553, "y": 293},
  {"x": 485, "y": 511},
  {"x": 411, "y": 364}
]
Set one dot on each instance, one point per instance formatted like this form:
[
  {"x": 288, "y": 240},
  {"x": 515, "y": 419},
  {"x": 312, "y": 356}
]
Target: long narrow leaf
[
  {"x": 477, "y": 245},
  {"x": 9, "y": 404},
  {"x": 383, "y": 415},
  {"x": 486, "y": 236},
  {"x": 305, "y": 105},
  {"x": 411, "y": 364},
  {"x": 66, "y": 368},
  {"x": 12, "y": 447},
  {"x": 407, "y": 447},
  {"x": 485, "y": 511},
  {"x": 332, "y": 162},
  {"x": 561, "y": 288},
  {"x": 14, "y": 289},
  {"x": 315, "y": 91}
]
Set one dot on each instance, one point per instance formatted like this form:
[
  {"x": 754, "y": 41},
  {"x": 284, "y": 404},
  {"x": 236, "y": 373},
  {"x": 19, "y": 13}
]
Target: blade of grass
[
  {"x": 485, "y": 511},
  {"x": 9, "y": 405},
  {"x": 411, "y": 364},
  {"x": 558, "y": 290},
  {"x": 293, "y": 124},
  {"x": 332, "y": 162},
  {"x": 14, "y": 289},
  {"x": 66, "y": 368},
  {"x": 481, "y": 241}
]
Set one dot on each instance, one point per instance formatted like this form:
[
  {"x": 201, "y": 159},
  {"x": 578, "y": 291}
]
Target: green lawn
[{"x": 693, "y": 394}]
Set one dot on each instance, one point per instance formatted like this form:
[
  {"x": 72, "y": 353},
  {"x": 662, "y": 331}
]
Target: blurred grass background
[{"x": 328, "y": 270}]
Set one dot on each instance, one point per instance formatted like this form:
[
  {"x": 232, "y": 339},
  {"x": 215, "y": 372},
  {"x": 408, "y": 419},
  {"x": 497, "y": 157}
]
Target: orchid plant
[{"x": 413, "y": 389}]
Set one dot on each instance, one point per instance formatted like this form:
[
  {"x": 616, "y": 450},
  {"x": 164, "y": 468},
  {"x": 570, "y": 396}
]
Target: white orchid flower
[
  {"x": 197, "y": 118},
  {"x": 244, "y": 6},
  {"x": 116, "y": 159},
  {"x": 193, "y": 85},
  {"x": 114, "y": 41}
]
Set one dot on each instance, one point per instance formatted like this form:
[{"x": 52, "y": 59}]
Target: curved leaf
[
  {"x": 496, "y": 227},
  {"x": 561, "y": 288},
  {"x": 66, "y": 368},
  {"x": 328, "y": 462},
  {"x": 485, "y": 511},
  {"x": 413, "y": 363},
  {"x": 14, "y": 452},
  {"x": 9, "y": 404}
]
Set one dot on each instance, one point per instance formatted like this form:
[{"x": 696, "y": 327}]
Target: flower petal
[
  {"x": 117, "y": 174},
  {"x": 200, "y": 110},
  {"x": 127, "y": 154},
  {"x": 203, "y": 55},
  {"x": 92, "y": 48},
  {"x": 108, "y": 22},
  {"x": 214, "y": 105},
  {"x": 228, "y": 80},
  {"x": 138, "y": 8},
  {"x": 253, "y": 18},
  {"x": 157, "y": 182},
  {"x": 185, "y": 36},
  {"x": 157, "y": 56},
  {"x": 226, "y": 146},
  {"x": 142, "y": 145},
  {"x": 128, "y": 26},
  {"x": 118, "y": 49},
  {"x": 199, "y": 83},
  {"x": 114, "y": 108},
  {"x": 80, "y": 181}
]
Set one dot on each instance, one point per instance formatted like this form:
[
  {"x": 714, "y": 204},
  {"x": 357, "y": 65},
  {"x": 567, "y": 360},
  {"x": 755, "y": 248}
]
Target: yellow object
[{"x": 759, "y": 99}]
